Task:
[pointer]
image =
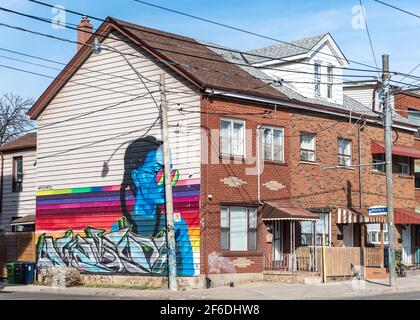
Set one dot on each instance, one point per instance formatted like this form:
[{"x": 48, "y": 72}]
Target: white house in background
[
  {"x": 313, "y": 66},
  {"x": 18, "y": 184}
]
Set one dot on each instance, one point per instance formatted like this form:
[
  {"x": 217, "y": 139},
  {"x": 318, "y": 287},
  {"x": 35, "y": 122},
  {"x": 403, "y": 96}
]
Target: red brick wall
[
  {"x": 307, "y": 184},
  {"x": 404, "y": 101}
]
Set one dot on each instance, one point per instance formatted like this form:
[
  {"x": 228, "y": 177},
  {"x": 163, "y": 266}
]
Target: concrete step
[{"x": 376, "y": 273}]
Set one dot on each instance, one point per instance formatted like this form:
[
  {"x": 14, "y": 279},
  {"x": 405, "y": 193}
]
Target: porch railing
[{"x": 303, "y": 259}]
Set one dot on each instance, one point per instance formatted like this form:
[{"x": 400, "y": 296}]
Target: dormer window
[
  {"x": 317, "y": 72},
  {"x": 329, "y": 81}
]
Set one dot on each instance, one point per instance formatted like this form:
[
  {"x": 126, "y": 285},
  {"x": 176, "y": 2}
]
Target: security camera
[{"x": 210, "y": 197}]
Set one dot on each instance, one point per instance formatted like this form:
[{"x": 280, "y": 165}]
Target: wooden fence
[
  {"x": 17, "y": 246},
  {"x": 339, "y": 261}
]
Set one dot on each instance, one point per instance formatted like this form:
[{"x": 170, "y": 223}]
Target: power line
[
  {"x": 399, "y": 9},
  {"x": 368, "y": 34},
  {"x": 189, "y": 40},
  {"x": 240, "y": 30}
]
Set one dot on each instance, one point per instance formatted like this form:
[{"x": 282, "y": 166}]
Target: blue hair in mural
[{"x": 143, "y": 175}]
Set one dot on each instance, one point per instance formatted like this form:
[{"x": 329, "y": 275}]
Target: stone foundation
[
  {"x": 140, "y": 281},
  {"x": 220, "y": 280}
]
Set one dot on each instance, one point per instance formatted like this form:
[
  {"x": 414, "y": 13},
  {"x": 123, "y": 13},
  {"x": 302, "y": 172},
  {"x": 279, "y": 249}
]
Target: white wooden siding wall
[
  {"x": 73, "y": 144},
  {"x": 363, "y": 95},
  {"x": 18, "y": 204},
  {"x": 301, "y": 75}
]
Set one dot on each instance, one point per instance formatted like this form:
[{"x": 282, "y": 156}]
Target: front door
[
  {"x": 278, "y": 241},
  {"x": 406, "y": 244},
  {"x": 348, "y": 235}
]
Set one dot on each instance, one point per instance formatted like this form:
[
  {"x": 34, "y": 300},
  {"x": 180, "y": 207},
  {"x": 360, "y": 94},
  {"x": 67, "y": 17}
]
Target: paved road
[
  {"x": 393, "y": 296},
  {"x": 4, "y": 295}
]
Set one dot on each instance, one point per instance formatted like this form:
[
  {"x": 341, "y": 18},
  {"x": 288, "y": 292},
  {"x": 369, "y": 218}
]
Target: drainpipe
[
  {"x": 360, "y": 167},
  {"x": 258, "y": 165},
  {"x": 1, "y": 182}
]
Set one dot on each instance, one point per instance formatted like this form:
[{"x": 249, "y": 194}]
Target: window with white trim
[
  {"x": 273, "y": 144},
  {"x": 232, "y": 137},
  {"x": 307, "y": 147},
  {"x": 317, "y": 82},
  {"x": 322, "y": 226},
  {"x": 238, "y": 228},
  {"x": 374, "y": 233},
  {"x": 17, "y": 178},
  {"x": 344, "y": 152},
  {"x": 329, "y": 81}
]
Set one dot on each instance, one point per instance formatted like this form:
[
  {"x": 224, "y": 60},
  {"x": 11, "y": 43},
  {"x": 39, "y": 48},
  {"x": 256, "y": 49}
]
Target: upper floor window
[
  {"x": 17, "y": 174},
  {"x": 317, "y": 82},
  {"x": 273, "y": 144},
  {"x": 232, "y": 137},
  {"x": 344, "y": 152},
  {"x": 329, "y": 81},
  {"x": 238, "y": 228},
  {"x": 414, "y": 116},
  {"x": 307, "y": 147}
]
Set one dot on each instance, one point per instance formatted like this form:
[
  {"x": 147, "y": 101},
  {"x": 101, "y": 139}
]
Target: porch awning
[
  {"x": 406, "y": 216},
  {"x": 397, "y": 149},
  {"x": 350, "y": 215},
  {"x": 285, "y": 210},
  {"x": 29, "y": 219}
]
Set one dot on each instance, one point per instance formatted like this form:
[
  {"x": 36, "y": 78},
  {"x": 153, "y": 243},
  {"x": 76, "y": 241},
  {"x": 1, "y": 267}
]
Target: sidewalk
[{"x": 254, "y": 291}]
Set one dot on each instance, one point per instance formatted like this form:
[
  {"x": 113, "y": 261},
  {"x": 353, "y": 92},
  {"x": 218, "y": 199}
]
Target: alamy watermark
[{"x": 58, "y": 20}]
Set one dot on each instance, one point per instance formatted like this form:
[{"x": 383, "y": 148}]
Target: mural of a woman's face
[{"x": 146, "y": 177}]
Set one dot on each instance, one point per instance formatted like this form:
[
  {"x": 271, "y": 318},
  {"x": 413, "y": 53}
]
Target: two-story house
[
  {"x": 18, "y": 184},
  {"x": 258, "y": 168}
]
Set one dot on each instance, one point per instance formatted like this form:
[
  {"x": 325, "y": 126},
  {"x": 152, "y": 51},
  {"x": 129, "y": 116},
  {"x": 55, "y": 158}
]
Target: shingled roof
[
  {"x": 284, "y": 50},
  {"x": 26, "y": 141},
  {"x": 190, "y": 58}
]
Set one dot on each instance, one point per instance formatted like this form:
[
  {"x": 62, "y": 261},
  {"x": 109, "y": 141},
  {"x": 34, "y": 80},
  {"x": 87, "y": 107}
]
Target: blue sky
[{"x": 392, "y": 32}]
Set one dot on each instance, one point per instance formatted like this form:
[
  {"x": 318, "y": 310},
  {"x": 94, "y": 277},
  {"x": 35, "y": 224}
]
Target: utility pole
[
  {"x": 170, "y": 234},
  {"x": 388, "y": 158}
]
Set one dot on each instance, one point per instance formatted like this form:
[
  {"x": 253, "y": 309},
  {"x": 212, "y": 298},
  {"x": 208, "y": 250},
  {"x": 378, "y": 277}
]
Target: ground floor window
[
  {"x": 374, "y": 233},
  {"x": 238, "y": 228},
  {"x": 322, "y": 226}
]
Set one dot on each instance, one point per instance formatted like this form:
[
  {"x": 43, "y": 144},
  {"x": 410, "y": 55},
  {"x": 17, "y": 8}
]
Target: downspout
[
  {"x": 360, "y": 166},
  {"x": 258, "y": 166},
  {"x": 1, "y": 182}
]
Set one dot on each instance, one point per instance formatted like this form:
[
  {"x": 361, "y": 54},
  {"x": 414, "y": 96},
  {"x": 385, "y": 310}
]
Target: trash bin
[
  {"x": 29, "y": 272},
  {"x": 11, "y": 273},
  {"x": 19, "y": 273}
]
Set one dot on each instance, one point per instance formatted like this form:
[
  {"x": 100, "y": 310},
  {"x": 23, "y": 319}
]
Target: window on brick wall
[
  {"x": 322, "y": 226},
  {"x": 307, "y": 147},
  {"x": 378, "y": 160},
  {"x": 344, "y": 152},
  {"x": 232, "y": 137},
  {"x": 403, "y": 165},
  {"x": 238, "y": 228},
  {"x": 417, "y": 172},
  {"x": 273, "y": 142},
  {"x": 374, "y": 233}
]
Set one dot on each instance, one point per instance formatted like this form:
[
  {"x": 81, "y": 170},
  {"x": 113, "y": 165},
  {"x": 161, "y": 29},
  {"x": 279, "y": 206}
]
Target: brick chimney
[{"x": 84, "y": 32}]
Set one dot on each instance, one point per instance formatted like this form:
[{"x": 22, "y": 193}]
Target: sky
[{"x": 392, "y": 32}]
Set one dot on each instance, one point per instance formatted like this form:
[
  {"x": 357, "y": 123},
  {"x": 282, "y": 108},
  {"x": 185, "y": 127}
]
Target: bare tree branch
[{"x": 13, "y": 119}]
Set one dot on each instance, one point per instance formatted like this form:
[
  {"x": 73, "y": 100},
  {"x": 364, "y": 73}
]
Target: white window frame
[
  {"x": 249, "y": 229},
  {"x": 272, "y": 128},
  {"x": 232, "y": 122},
  {"x": 300, "y": 146},
  {"x": 374, "y": 233},
  {"x": 317, "y": 78},
  {"x": 347, "y": 156},
  {"x": 330, "y": 80},
  {"x": 318, "y": 236}
]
